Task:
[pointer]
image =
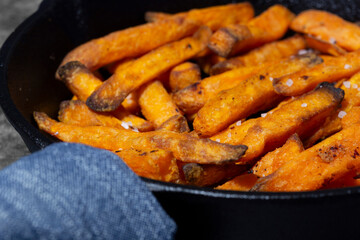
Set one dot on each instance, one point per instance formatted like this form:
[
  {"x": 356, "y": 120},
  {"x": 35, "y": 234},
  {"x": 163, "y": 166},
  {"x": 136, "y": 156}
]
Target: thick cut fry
[
  {"x": 243, "y": 182},
  {"x": 303, "y": 115},
  {"x": 222, "y": 41},
  {"x": 323, "y": 46},
  {"x": 183, "y": 146},
  {"x": 208, "y": 61},
  {"x": 328, "y": 27},
  {"x": 271, "y": 25},
  {"x": 213, "y": 17},
  {"x": 177, "y": 123},
  {"x": 156, "y": 104},
  {"x": 130, "y": 42},
  {"x": 184, "y": 75},
  {"x": 209, "y": 175},
  {"x": 144, "y": 69},
  {"x": 194, "y": 97},
  {"x": 334, "y": 122},
  {"x": 248, "y": 97},
  {"x": 350, "y": 179},
  {"x": 331, "y": 70},
  {"x": 155, "y": 164},
  {"x": 317, "y": 166},
  {"x": 81, "y": 82},
  {"x": 270, "y": 52},
  {"x": 76, "y": 112},
  {"x": 275, "y": 159}
]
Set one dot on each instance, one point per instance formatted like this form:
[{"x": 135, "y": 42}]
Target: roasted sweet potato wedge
[
  {"x": 243, "y": 182},
  {"x": 270, "y": 52},
  {"x": 213, "y": 17},
  {"x": 328, "y": 27},
  {"x": 183, "y": 146},
  {"x": 324, "y": 46},
  {"x": 270, "y": 25},
  {"x": 275, "y": 159},
  {"x": 248, "y": 97},
  {"x": 144, "y": 69},
  {"x": 155, "y": 164},
  {"x": 317, "y": 166},
  {"x": 331, "y": 70},
  {"x": 177, "y": 123},
  {"x": 130, "y": 42}
]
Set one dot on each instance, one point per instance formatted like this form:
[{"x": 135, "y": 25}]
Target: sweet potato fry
[
  {"x": 177, "y": 123},
  {"x": 323, "y": 46},
  {"x": 156, "y": 104},
  {"x": 303, "y": 115},
  {"x": 331, "y": 70},
  {"x": 334, "y": 122},
  {"x": 243, "y": 182},
  {"x": 328, "y": 27},
  {"x": 184, "y": 75},
  {"x": 208, "y": 61},
  {"x": 155, "y": 164},
  {"x": 75, "y": 112},
  {"x": 275, "y": 159},
  {"x": 271, "y": 25},
  {"x": 144, "y": 69},
  {"x": 194, "y": 97},
  {"x": 213, "y": 17},
  {"x": 350, "y": 179},
  {"x": 183, "y": 146},
  {"x": 352, "y": 117},
  {"x": 130, "y": 42},
  {"x": 317, "y": 166},
  {"x": 248, "y": 97},
  {"x": 205, "y": 175},
  {"x": 270, "y": 52}
]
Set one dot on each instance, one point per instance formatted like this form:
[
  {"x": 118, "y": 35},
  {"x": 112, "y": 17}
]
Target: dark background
[{"x": 12, "y": 13}]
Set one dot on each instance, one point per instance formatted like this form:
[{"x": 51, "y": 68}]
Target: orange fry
[
  {"x": 183, "y": 146},
  {"x": 270, "y": 52},
  {"x": 323, "y": 46},
  {"x": 130, "y": 42},
  {"x": 243, "y": 182},
  {"x": 184, "y": 75},
  {"x": 144, "y": 69},
  {"x": 331, "y": 70},
  {"x": 328, "y": 27},
  {"x": 317, "y": 166},
  {"x": 213, "y": 17},
  {"x": 248, "y": 97}
]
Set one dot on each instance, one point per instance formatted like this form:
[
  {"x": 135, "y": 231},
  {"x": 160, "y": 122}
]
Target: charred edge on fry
[
  {"x": 337, "y": 93},
  {"x": 66, "y": 71}
]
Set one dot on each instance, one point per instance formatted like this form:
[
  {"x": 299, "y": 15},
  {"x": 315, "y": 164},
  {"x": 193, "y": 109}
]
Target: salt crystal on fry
[{"x": 341, "y": 114}]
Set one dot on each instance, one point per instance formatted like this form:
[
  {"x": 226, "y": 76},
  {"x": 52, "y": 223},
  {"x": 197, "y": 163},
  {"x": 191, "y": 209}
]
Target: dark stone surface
[{"x": 12, "y": 13}]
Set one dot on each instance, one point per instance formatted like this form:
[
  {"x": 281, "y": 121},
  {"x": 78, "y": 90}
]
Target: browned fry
[
  {"x": 331, "y": 70},
  {"x": 209, "y": 175},
  {"x": 275, "y": 159},
  {"x": 270, "y": 52},
  {"x": 213, "y": 17},
  {"x": 130, "y": 42},
  {"x": 323, "y": 46},
  {"x": 208, "y": 61},
  {"x": 183, "y": 146},
  {"x": 328, "y": 27},
  {"x": 333, "y": 123},
  {"x": 248, "y": 97},
  {"x": 350, "y": 179},
  {"x": 193, "y": 97},
  {"x": 317, "y": 166},
  {"x": 243, "y": 182},
  {"x": 156, "y": 104},
  {"x": 184, "y": 75},
  {"x": 75, "y": 112},
  {"x": 223, "y": 40},
  {"x": 144, "y": 69},
  {"x": 155, "y": 164},
  {"x": 177, "y": 123},
  {"x": 303, "y": 115},
  {"x": 271, "y": 25}
]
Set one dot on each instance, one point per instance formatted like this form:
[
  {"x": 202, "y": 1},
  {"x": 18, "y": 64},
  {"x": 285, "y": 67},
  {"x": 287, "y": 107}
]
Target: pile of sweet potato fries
[{"x": 218, "y": 97}]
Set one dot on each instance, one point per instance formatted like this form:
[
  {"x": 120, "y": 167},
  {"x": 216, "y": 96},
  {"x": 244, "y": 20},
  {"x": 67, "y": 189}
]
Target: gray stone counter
[{"x": 12, "y": 13}]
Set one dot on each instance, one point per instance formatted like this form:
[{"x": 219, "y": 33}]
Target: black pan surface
[{"x": 28, "y": 61}]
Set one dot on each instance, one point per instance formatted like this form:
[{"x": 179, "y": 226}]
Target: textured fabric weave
[{"x": 72, "y": 191}]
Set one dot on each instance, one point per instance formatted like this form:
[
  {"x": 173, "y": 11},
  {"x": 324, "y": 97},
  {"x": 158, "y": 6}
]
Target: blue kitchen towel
[{"x": 73, "y": 191}]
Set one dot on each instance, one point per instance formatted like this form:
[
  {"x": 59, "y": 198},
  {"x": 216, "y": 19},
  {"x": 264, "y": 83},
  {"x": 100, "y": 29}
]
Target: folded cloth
[{"x": 73, "y": 191}]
